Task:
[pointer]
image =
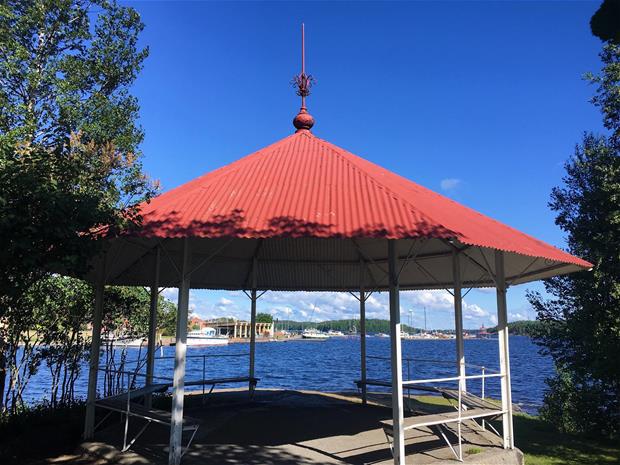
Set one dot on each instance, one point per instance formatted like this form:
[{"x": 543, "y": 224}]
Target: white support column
[
  {"x": 458, "y": 320},
  {"x": 150, "y": 351},
  {"x": 396, "y": 358},
  {"x": 253, "y": 322},
  {"x": 504, "y": 355},
  {"x": 363, "y": 342},
  {"x": 95, "y": 347},
  {"x": 178, "y": 390}
]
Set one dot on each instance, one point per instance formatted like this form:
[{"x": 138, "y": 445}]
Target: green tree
[
  {"x": 264, "y": 318},
  {"x": 605, "y": 23},
  {"x": 69, "y": 141},
  {"x": 69, "y": 159},
  {"x": 581, "y": 320},
  {"x": 48, "y": 332}
]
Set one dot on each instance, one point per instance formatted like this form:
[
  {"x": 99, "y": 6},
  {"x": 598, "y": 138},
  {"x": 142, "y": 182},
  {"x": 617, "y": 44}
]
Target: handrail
[
  {"x": 172, "y": 357},
  {"x": 451, "y": 379},
  {"x": 132, "y": 373},
  {"x": 409, "y": 359},
  {"x": 427, "y": 360}
]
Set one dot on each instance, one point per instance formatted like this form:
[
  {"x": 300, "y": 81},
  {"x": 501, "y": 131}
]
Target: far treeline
[
  {"x": 373, "y": 325},
  {"x": 531, "y": 328}
]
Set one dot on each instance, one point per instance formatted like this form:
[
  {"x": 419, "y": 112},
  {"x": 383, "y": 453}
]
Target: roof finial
[{"x": 303, "y": 82}]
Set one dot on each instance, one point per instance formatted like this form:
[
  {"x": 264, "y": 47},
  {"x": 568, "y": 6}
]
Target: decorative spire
[{"x": 303, "y": 82}]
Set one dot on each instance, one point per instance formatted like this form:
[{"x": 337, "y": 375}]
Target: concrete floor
[{"x": 290, "y": 427}]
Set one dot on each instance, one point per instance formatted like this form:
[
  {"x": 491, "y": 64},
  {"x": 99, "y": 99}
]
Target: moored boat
[
  {"x": 311, "y": 333},
  {"x": 206, "y": 337}
]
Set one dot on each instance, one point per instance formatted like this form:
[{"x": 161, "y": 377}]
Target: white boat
[
  {"x": 332, "y": 333},
  {"x": 311, "y": 333},
  {"x": 206, "y": 337},
  {"x": 125, "y": 341},
  {"x": 383, "y": 335}
]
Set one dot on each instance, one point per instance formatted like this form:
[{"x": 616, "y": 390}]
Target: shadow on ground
[{"x": 288, "y": 427}]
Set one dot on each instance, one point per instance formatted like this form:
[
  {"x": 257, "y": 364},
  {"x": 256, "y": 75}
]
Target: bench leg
[
  {"x": 390, "y": 442},
  {"x": 107, "y": 415},
  {"x": 189, "y": 443},
  {"x": 460, "y": 442},
  {"x": 126, "y": 448},
  {"x": 126, "y": 431},
  {"x": 441, "y": 431}
]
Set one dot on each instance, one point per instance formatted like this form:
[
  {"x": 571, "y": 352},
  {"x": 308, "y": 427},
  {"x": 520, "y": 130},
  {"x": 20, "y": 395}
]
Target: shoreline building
[{"x": 240, "y": 329}]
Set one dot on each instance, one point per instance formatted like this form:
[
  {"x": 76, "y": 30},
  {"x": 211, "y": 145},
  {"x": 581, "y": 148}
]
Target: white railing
[
  {"x": 204, "y": 362},
  {"x": 485, "y": 374}
]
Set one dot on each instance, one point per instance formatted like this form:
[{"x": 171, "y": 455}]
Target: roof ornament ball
[{"x": 304, "y": 120}]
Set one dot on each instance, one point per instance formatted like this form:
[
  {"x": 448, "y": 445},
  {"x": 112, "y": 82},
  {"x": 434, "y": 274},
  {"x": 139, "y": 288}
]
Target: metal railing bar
[
  {"x": 450, "y": 379},
  {"x": 206, "y": 356},
  {"x": 132, "y": 373}
]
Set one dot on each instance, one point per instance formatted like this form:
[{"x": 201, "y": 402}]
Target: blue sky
[{"x": 481, "y": 101}]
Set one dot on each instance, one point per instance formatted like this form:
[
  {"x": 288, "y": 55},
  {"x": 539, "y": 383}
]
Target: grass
[{"x": 542, "y": 444}]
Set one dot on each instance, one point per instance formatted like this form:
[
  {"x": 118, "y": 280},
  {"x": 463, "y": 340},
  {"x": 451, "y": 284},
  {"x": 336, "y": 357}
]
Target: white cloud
[
  {"x": 320, "y": 306},
  {"x": 170, "y": 293},
  {"x": 450, "y": 184},
  {"x": 474, "y": 310},
  {"x": 493, "y": 319}
]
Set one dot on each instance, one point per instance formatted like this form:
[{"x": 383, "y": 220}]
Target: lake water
[{"x": 333, "y": 365}]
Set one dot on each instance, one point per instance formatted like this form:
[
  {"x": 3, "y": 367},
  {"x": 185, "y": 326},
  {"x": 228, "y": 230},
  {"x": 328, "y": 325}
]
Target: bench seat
[
  {"x": 468, "y": 399},
  {"x": 388, "y": 384},
  {"x": 163, "y": 417},
  {"x": 420, "y": 421},
  {"x": 137, "y": 394},
  {"x": 214, "y": 381}
]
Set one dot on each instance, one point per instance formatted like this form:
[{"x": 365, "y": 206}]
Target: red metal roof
[{"x": 303, "y": 186}]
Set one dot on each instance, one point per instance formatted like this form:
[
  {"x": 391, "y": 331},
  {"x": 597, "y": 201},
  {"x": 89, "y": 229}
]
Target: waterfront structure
[
  {"x": 239, "y": 329},
  {"x": 304, "y": 214}
]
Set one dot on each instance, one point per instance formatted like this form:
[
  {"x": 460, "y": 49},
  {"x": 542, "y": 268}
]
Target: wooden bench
[
  {"x": 437, "y": 422},
  {"x": 215, "y": 381},
  {"x": 468, "y": 399},
  {"x": 388, "y": 384}
]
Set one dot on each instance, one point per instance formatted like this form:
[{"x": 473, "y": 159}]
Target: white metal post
[
  {"x": 150, "y": 351},
  {"x": 95, "y": 347},
  {"x": 396, "y": 358},
  {"x": 253, "y": 322},
  {"x": 504, "y": 355},
  {"x": 458, "y": 320},
  {"x": 363, "y": 342},
  {"x": 178, "y": 391}
]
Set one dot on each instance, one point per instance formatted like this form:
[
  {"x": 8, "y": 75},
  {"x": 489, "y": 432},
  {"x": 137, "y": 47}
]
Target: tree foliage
[
  {"x": 521, "y": 328},
  {"x": 581, "y": 329},
  {"x": 264, "y": 318},
  {"x": 49, "y": 332},
  {"x": 69, "y": 159},
  {"x": 605, "y": 23}
]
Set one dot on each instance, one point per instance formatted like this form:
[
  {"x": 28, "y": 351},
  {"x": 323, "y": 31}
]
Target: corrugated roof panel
[{"x": 302, "y": 186}]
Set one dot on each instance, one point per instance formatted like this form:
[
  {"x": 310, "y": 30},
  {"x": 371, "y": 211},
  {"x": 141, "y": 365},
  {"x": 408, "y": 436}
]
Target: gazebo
[{"x": 304, "y": 214}]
